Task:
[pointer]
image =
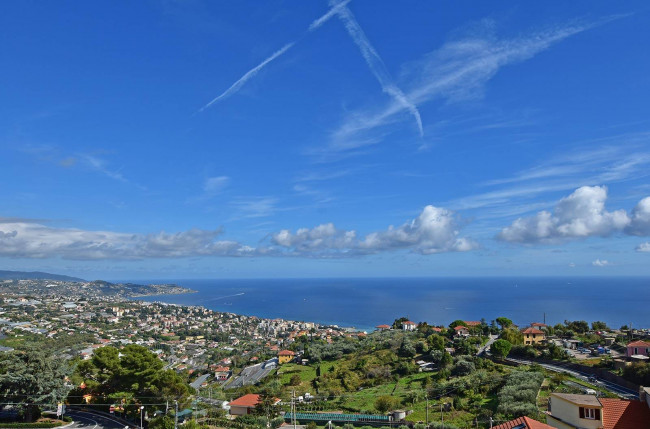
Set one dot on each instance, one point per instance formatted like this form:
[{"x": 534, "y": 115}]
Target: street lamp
[{"x": 141, "y": 415}]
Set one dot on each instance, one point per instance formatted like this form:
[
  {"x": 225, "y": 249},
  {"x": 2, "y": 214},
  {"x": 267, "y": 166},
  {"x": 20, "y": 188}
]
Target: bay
[{"x": 366, "y": 302}]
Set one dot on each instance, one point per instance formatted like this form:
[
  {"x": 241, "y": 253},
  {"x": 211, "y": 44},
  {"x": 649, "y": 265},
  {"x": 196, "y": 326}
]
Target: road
[
  {"x": 616, "y": 389},
  {"x": 199, "y": 381},
  {"x": 487, "y": 345},
  {"x": 85, "y": 420},
  {"x": 253, "y": 374}
]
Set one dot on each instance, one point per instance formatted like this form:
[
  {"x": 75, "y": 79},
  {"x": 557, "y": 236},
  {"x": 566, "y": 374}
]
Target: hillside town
[{"x": 245, "y": 369}]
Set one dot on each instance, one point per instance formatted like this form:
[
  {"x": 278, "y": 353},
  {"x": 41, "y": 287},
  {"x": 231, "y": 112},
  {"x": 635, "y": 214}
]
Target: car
[{"x": 593, "y": 378}]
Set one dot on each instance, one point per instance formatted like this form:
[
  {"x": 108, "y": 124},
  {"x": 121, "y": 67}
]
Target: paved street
[
  {"x": 85, "y": 420},
  {"x": 612, "y": 387},
  {"x": 199, "y": 381},
  {"x": 253, "y": 374},
  {"x": 487, "y": 345}
]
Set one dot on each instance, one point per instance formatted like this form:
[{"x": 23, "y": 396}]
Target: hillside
[{"x": 36, "y": 275}]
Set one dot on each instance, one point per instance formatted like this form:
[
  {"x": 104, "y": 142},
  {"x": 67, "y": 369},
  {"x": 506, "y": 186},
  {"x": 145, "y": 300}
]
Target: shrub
[{"x": 518, "y": 397}]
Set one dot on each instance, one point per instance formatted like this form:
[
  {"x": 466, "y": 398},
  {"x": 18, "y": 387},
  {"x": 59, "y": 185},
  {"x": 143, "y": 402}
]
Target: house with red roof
[
  {"x": 472, "y": 323},
  {"x": 589, "y": 412},
  {"x": 461, "y": 331},
  {"x": 523, "y": 423},
  {"x": 222, "y": 373},
  {"x": 533, "y": 336},
  {"x": 285, "y": 356},
  {"x": 409, "y": 326},
  {"x": 382, "y": 327},
  {"x": 638, "y": 348},
  {"x": 246, "y": 404}
]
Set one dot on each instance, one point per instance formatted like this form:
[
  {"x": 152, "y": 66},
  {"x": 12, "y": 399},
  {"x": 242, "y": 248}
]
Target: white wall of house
[{"x": 568, "y": 412}]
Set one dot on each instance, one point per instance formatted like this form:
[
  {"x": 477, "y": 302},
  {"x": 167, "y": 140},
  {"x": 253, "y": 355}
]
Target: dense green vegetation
[
  {"x": 32, "y": 378},
  {"x": 127, "y": 377}
]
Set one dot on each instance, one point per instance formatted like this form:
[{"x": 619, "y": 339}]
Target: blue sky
[{"x": 180, "y": 139}]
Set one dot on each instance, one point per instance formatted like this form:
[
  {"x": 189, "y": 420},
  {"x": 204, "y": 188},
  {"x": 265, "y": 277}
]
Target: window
[
  {"x": 636, "y": 351},
  {"x": 589, "y": 413}
]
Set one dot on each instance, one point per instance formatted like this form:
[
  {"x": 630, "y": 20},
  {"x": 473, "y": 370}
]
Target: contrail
[
  {"x": 249, "y": 75},
  {"x": 330, "y": 13},
  {"x": 374, "y": 61}
]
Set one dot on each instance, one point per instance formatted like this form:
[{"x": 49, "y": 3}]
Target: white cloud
[
  {"x": 214, "y": 185},
  {"x": 640, "y": 223},
  {"x": 435, "y": 230},
  {"x": 34, "y": 240},
  {"x": 600, "y": 263},
  {"x": 582, "y": 214},
  {"x": 643, "y": 247}
]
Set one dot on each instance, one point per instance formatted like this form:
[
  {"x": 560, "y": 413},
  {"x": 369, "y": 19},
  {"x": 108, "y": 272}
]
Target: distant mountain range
[{"x": 30, "y": 275}]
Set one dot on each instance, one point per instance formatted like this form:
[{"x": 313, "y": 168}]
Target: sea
[{"x": 364, "y": 303}]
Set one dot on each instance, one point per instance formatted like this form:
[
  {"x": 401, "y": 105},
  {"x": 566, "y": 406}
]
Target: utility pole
[
  {"x": 427, "y": 409},
  {"x": 491, "y": 422},
  {"x": 176, "y": 415},
  {"x": 442, "y": 417},
  {"x": 293, "y": 408}
]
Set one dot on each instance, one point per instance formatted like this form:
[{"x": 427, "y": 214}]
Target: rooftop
[
  {"x": 589, "y": 400},
  {"x": 622, "y": 414},
  {"x": 523, "y": 423}
]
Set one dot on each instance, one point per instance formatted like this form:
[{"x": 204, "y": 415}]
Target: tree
[
  {"x": 580, "y": 326},
  {"x": 599, "y": 326},
  {"x": 513, "y": 336},
  {"x": 161, "y": 422},
  {"x": 457, "y": 322},
  {"x": 504, "y": 322},
  {"x": 436, "y": 342},
  {"x": 384, "y": 403},
  {"x": 397, "y": 324},
  {"x": 500, "y": 348},
  {"x": 294, "y": 380},
  {"x": 33, "y": 378}
]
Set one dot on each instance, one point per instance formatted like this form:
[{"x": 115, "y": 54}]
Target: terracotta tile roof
[
  {"x": 622, "y": 414},
  {"x": 471, "y": 323},
  {"x": 408, "y": 322},
  {"x": 639, "y": 344},
  {"x": 538, "y": 324},
  {"x": 459, "y": 327},
  {"x": 436, "y": 329},
  {"x": 527, "y": 423},
  {"x": 249, "y": 400},
  {"x": 532, "y": 331},
  {"x": 382, "y": 327},
  {"x": 286, "y": 353}
]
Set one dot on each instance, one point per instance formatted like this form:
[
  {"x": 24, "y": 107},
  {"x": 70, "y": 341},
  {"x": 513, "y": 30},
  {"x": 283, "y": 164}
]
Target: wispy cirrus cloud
[
  {"x": 608, "y": 160},
  {"x": 457, "y": 71}
]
